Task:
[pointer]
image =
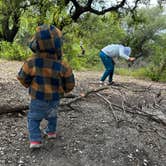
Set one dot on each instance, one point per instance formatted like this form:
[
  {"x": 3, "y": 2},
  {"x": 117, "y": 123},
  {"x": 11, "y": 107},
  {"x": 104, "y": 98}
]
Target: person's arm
[
  {"x": 59, "y": 42},
  {"x": 68, "y": 79},
  {"x": 122, "y": 54},
  {"x": 24, "y": 75}
]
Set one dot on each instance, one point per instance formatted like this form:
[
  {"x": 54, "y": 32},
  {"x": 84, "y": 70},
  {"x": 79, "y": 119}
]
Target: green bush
[
  {"x": 155, "y": 73},
  {"x": 13, "y": 51},
  {"x": 137, "y": 73},
  {"x": 92, "y": 58},
  {"x": 122, "y": 71},
  {"x": 157, "y": 68}
]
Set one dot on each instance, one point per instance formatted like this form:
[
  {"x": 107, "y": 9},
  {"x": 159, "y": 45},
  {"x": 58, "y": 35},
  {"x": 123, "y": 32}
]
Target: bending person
[{"x": 107, "y": 53}]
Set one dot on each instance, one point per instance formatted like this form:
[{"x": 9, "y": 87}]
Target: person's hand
[{"x": 131, "y": 59}]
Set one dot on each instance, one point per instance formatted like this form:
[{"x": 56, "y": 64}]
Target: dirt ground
[{"x": 121, "y": 125}]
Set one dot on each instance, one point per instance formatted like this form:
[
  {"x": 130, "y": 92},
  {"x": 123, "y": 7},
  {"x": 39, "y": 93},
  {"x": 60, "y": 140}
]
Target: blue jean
[
  {"x": 109, "y": 67},
  {"x": 39, "y": 110}
]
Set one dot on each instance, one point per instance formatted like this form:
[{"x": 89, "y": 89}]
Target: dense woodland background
[{"x": 87, "y": 26}]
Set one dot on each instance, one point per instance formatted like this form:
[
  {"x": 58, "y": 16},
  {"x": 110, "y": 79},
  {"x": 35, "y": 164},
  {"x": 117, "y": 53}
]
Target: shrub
[
  {"x": 157, "y": 68},
  {"x": 13, "y": 51}
]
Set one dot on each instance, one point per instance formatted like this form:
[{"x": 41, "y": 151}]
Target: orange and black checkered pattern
[
  {"x": 46, "y": 77},
  {"x": 47, "y": 38}
]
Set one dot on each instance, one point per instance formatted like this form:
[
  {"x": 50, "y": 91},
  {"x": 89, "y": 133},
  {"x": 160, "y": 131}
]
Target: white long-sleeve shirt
[{"x": 114, "y": 50}]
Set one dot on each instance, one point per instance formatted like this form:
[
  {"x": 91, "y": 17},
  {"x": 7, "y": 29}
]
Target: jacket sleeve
[
  {"x": 68, "y": 80},
  {"x": 122, "y": 53},
  {"x": 24, "y": 75}
]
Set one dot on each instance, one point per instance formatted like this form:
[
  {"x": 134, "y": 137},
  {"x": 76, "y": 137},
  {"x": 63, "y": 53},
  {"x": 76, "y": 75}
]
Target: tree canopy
[
  {"x": 63, "y": 12},
  {"x": 87, "y": 25}
]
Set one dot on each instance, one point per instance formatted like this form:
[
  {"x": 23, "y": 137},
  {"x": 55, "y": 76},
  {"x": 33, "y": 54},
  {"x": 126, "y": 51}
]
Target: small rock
[
  {"x": 80, "y": 152},
  {"x": 21, "y": 161},
  {"x": 2, "y": 152},
  {"x": 34, "y": 161},
  {"x": 130, "y": 155}
]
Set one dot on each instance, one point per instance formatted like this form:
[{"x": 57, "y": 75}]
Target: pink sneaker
[
  {"x": 35, "y": 144},
  {"x": 52, "y": 135}
]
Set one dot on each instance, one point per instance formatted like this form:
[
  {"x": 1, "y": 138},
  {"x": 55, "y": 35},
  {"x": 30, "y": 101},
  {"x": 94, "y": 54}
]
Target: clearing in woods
[{"x": 119, "y": 125}]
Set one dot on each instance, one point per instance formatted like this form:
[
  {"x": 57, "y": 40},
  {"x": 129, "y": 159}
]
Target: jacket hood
[
  {"x": 127, "y": 51},
  {"x": 47, "y": 39}
]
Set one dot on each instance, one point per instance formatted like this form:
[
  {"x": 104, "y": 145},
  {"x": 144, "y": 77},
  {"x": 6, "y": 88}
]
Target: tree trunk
[{"x": 7, "y": 33}]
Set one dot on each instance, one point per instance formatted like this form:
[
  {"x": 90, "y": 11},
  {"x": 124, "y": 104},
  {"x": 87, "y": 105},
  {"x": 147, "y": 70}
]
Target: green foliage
[
  {"x": 94, "y": 33},
  {"x": 10, "y": 12},
  {"x": 60, "y": 16},
  {"x": 13, "y": 51},
  {"x": 101, "y": 30},
  {"x": 147, "y": 40},
  {"x": 144, "y": 29},
  {"x": 137, "y": 73},
  {"x": 72, "y": 54},
  {"x": 92, "y": 58},
  {"x": 157, "y": 68}
]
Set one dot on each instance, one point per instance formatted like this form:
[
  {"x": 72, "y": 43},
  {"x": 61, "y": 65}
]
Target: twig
[
  {"x": 143, "y": 113},
  {"x": 110, "y": 105},
  {"x": 84, "y": 96},
  {"x": 140, "y": 90}
]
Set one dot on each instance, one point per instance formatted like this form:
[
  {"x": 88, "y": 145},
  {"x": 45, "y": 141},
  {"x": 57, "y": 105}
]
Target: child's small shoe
[
  {"x": 35, "y": 145},
  {"x": 52, "y": 135}
]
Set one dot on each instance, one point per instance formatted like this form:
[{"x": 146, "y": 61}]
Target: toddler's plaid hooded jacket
[{"x": 46, "y": 75}]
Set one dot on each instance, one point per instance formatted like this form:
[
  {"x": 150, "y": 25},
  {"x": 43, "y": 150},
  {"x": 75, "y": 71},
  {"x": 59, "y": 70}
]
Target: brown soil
[{"x": 123, "y": 125}]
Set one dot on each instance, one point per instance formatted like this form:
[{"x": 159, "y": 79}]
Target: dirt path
[{"x": 123, "y": 125}]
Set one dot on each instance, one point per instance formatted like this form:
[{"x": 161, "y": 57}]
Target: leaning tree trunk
[{"x": 7, "y": 33}]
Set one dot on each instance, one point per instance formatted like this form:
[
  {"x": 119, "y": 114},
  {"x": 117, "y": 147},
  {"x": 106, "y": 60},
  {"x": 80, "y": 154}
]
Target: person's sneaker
[
  {"x": 35, "y": 145},
  {"x": 101, "y": 82},
  {"x": 111, "y": 83},
  {"x": 51, "y": 135}
]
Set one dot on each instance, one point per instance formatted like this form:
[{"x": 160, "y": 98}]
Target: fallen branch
[
  {"x": 10, "y": 109},
  {"x": 119, "y": 86},
  {"x": 83, "y": 96},
  {"x": 19, "y": 108},
  {"x": 157, "y": 118}
]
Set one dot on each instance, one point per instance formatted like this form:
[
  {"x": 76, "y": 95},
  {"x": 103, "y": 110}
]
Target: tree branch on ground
[
  {"x": 84, "y": 96},
  {"x": 110, "y": 106},
  {"x": 19, "y": 108}
]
